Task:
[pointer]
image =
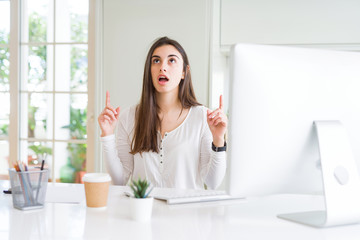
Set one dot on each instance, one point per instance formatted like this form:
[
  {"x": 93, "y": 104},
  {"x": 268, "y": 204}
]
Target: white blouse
[{"x": 185, "y": 158}]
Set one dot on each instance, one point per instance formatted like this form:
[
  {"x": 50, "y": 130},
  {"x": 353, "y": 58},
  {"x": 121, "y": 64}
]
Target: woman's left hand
[{"x": 218, "y": 121}]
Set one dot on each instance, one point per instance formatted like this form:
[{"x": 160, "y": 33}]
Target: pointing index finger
[
  {"x": 107, "y": 99},
  {"x": 221, "y": 104}
]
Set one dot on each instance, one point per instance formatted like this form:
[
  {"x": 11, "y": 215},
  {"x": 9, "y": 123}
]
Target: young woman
[{"x": 168, "y": 138}]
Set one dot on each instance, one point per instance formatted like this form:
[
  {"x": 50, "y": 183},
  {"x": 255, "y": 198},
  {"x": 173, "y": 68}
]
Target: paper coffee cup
[{"x": 96, "y": 189}]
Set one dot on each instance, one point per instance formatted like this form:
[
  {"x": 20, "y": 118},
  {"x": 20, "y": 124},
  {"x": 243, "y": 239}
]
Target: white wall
[
  {"x": 290, "y": 22},
  {"x": 130, "y": 27}
]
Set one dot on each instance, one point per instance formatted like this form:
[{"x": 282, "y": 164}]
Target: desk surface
[{"x": 240, "y": 219}]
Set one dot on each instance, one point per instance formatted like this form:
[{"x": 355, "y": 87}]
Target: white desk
[{"x": 240, "y": 219}]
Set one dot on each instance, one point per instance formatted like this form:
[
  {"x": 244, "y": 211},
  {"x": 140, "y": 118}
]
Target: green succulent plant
[{"x": 139, "y": 188}]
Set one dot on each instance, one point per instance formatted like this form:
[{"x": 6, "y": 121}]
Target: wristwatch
[{"x": 218, "y": 149}]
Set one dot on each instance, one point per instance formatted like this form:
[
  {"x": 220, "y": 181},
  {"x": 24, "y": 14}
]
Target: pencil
[
  {"x": 29, "y": 182},
  {"x": 40, "y": 176},
  {"x": 21, "y": 179}
]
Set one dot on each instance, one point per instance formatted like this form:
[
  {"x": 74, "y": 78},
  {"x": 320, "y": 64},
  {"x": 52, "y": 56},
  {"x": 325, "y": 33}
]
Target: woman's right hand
[{"x": 108, "y": 118}]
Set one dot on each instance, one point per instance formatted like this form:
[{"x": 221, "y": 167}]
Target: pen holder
[{"x": 28, "y": 188}]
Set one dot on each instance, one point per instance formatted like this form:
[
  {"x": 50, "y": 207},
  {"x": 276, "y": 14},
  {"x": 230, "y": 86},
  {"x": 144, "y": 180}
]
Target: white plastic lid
[{"x": 96, "y": 177}]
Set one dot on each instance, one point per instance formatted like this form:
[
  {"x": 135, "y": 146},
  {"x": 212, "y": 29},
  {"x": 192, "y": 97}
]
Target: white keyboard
[{"x": 178, "y": 196}]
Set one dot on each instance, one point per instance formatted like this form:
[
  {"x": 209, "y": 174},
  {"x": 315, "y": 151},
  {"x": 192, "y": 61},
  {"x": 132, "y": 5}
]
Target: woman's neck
[
  {"x": 171, "y": 113},
  {"x": 168, "y": 102}
]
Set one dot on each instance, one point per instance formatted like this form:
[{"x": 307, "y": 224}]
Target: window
[{"x": 53, "y": 86}]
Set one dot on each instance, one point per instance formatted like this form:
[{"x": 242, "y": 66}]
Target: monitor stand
[{"x": 340, "y": 180}]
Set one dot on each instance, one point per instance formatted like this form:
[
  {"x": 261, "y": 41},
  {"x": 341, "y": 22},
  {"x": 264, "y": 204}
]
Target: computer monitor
[{"x": 277, "y": 93}]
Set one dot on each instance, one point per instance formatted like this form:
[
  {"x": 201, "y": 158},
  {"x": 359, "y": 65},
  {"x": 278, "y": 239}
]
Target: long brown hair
[{"x": 147, "y": 121}]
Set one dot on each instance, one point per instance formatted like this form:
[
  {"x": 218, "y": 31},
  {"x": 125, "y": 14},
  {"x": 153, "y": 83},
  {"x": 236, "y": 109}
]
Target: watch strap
[{"x": 218, "y": 149}]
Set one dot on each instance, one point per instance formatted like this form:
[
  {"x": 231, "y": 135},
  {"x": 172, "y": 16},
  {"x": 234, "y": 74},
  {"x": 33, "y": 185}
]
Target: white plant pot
[{"x": 141, "y": 208}]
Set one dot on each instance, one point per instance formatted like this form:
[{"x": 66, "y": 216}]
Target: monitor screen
[{"x": 276, "y": 94}]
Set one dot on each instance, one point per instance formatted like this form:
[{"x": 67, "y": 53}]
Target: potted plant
[
  {"x": 77, "y": 158},
  {"x": 40, "y": 151},
  {"x": 141, "y": 203}
]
